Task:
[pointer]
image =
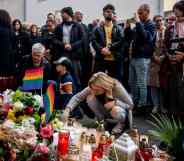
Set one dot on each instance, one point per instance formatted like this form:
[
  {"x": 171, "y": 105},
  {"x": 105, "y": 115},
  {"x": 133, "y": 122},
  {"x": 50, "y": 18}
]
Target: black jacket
[
  {"x": 7, "y": 64},
  {"x": 22, "y": 45},
  {"x": 99, "y": 41},
  {"x": 26, "y": 63},
  {"x": 76, "y": 38},
  {"x": 35, "y": 39},
  {"x": 86, "y": 41},
  {"x": 144, "y": 40}
]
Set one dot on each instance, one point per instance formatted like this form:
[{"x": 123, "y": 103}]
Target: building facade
[
  {"x": 16, "y": 8},
  {"x": 35, "y": 11}
]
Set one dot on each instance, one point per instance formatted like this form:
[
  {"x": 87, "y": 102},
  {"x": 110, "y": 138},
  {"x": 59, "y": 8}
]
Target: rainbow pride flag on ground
[
  {"x": 33, "y": 79},
  {"x": 49, "y": 100}
]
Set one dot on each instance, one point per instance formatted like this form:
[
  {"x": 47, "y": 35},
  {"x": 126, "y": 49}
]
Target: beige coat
[{"x": 153, "y": 79}]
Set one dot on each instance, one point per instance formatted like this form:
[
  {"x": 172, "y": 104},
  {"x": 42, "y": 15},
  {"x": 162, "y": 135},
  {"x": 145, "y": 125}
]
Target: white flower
[
  {"x": 28, "y": 121},
  {"x": 38, "y": 99},
  {"x": 9, "y": 124},
  {"x": 18, "y": 106}
]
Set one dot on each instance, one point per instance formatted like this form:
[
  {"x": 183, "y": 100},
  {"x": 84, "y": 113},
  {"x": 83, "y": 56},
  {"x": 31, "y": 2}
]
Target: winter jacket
[
  {"x": 76, "y": 37},
  {"x": 144, "y": 40},
  {"x": 99, "y": 41}
]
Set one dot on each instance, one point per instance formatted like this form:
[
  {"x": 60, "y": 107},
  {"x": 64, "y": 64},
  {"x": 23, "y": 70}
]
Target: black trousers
[{"x": 112, "y": 68}]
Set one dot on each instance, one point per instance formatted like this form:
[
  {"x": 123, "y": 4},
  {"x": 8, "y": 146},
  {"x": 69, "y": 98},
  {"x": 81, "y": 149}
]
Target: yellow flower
[
  {"x": 20, "y": 118},
  {"x": 43, "y": 118},
  {"x": 11, "y": 116}
]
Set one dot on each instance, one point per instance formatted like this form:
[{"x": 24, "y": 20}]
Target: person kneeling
[{"x": 107, "y": 98}]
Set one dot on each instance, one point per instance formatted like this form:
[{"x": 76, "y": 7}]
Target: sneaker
[{"x": 155, "y": 109}]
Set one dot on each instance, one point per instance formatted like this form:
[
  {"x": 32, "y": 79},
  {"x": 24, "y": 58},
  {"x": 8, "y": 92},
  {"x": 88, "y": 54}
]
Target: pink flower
[
  {"x": 46, "y": 132},
  {"x": 41, "y": 148}
]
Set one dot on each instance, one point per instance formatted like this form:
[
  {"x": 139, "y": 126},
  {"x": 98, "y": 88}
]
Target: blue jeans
[
  {"x": 156, "y": 96},
  {"x": 138, "y": 76}
]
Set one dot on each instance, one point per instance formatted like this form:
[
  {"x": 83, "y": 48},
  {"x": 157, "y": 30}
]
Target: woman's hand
[
  {"x": 66, "y": 114},
  {"x": 109, "y": 105}
]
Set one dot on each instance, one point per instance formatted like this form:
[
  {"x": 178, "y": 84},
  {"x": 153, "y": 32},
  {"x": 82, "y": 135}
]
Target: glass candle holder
[{"x": 63, "y": 143}]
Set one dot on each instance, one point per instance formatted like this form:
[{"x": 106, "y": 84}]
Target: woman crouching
[{"x": 108, "y": 100}]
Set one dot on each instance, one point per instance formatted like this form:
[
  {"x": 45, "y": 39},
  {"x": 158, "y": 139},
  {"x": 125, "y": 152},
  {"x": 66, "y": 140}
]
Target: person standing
[
  {"x": 86, "y": 60},
  {"x": 34, "y": 34},
  {"x": 22, "y": 44},
  {"x": 174, "y": 39},
  {"x": 69, "y": 38},
  {"x": 142, "y": 51},
  {"x": 7, "y": 64},
  {"x": 158, "y": 56},
  {"x": 107, "y": 42}
]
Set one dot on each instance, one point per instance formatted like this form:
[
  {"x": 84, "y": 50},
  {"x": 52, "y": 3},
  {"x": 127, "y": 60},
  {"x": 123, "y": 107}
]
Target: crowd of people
[{"x": 145, "y": 55}]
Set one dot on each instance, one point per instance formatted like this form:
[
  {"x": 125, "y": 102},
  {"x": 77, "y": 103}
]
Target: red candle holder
[
  {"x": 63, "y": 143},
  {"x": 96, "y": 155},
  {"x": 146, "y": 154}
]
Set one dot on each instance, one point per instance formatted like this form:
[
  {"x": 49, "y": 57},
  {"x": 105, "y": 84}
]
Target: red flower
[
  {"x": 46, "y": 132},
  {"x": 42, "y": 149},
  {"x": 29, "y": 111}
]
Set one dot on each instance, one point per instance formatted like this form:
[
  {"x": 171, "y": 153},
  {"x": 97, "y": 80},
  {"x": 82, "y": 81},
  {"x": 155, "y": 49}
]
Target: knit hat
[
  {"x": 68, "y": 10},
  {"x": 65, "y": 62}
]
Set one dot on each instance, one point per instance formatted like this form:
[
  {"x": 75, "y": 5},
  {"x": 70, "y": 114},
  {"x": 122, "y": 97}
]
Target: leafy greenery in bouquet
[
  {"x": 27, "y": 99},
  {"x": 168, "y": 130}
]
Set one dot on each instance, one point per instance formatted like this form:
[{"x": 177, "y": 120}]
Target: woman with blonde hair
[{"x": 106, "y": 97}]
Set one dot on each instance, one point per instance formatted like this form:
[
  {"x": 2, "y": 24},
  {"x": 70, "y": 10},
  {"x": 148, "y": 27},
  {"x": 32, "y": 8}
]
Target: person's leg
[
  {"x": 110, "y": 68},
  {"x": 86, "y": 67},
  {"x": 86, "y": 110},
  {"x": 155, "y": 95},
  {"x": 96, "y": 107},
  {"x": 125, "y": 74},
  {"x": 132, "y": 82},
  {"x": 76, "y": 73},
  {"x": 99, "y": 66},
  {"x": 119, "y": 70},
  {"x": 141, "y": 67}
]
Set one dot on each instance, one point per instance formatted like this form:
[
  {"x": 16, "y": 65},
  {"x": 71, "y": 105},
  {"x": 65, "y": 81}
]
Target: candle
[
  {"x": 96, "y": 155},
  {"x": 63, "y": 143}
]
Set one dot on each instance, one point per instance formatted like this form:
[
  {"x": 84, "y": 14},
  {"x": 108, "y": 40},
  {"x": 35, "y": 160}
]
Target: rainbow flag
[
  {"x": 49, "y": 100},
  {"x": 33, "y": 79}
]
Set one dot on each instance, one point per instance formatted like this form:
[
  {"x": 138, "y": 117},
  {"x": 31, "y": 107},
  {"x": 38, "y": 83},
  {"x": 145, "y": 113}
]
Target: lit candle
[{"x": 63, "y": 143}]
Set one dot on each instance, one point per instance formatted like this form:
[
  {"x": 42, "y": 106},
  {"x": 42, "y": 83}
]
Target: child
[{"x": 65, "y": 81}]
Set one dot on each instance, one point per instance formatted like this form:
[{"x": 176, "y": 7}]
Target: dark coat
[
  {"x": 22, "y": 45},
  {"x": 7, "y": 65},
  {"x": 99, "y": 41},
  {"x": 76, "y": 38},
  {"x": 172, "y": 77},
  {"x": 35, "y": 39}
]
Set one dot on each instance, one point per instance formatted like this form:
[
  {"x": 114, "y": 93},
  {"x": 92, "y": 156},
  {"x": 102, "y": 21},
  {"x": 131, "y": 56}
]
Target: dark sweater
[{"x": 144, "y": 40}]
